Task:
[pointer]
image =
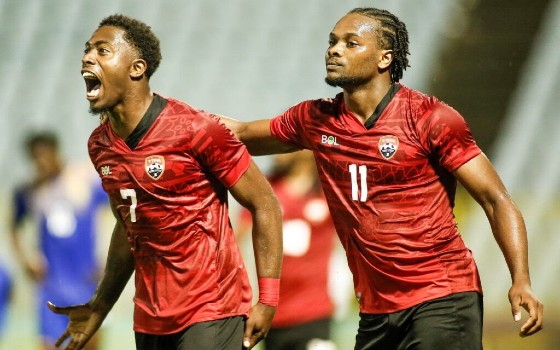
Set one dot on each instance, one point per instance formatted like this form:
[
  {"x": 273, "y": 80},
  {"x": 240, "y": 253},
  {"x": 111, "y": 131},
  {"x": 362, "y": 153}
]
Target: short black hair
[
  {"x": 392, "y": 35},
  {"x": 140, "y": 36},
  {"x": 41, "y": 138}
]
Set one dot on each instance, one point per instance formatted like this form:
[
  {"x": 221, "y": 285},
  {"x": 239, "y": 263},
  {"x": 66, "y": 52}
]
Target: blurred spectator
[
  {"x": 305, "y": 312},
  {"x": 63, "y": 204},
  {"x": 6, "y": 286}
]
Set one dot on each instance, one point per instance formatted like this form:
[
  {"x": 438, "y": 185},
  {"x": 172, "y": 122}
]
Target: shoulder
[
  {"x": 99, "y": 137},
  {"x": 180, "y": 120},
  {"x": 440, "y": 112},
  {"x": 424, "y": 106},
  {"x": 417, "y": 101},
  {"x": 329, "y": 106},
  {"x": 186, "y": 113},
  {"x": 317, "y": 107},
  {"x": 175, "y": 107}
]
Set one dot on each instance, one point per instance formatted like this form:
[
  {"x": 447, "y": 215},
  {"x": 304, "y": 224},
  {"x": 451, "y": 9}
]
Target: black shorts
[
  {"x": 225, "y": 334},
  {"x": 453, "y": 322},
  {"x": 298, "y": 337}
]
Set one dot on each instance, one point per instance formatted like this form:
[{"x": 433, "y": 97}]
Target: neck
[
  {"x": 125, "y": 116},
  {"x": 362, "y": 100},
  {"x": 43, "y": 178}
]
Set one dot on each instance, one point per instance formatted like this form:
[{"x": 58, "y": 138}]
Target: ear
[
  {"x": 386, "y": 59},
  {"x": 138, "y": 68}
]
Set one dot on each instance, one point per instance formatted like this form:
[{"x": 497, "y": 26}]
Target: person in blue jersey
[
  {"x": 6, "y": 288},
  {"x": 64, "y": 203}
]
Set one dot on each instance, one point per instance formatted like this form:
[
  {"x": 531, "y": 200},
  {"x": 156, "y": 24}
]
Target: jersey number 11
[{"x": 361, "y": 193}]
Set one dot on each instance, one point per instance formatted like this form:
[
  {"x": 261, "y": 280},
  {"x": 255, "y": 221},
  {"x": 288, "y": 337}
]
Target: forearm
[
  {"x": 257, "y": 137},
  {"x": 510, "y": 233},
  {"x": 33, "y": 263},
  {"x": 267, "y": 241},
  {"x": 17, "y": 249},
  {"x": 118, "y": 269},
  {"x": 483, "y": 183},
  {"x": 254, "y": 193}
]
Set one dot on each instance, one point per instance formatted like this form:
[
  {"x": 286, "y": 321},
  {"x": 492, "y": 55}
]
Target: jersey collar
[
  {"x": 370, "y": 122},
  {"x": 157, "y": 105}
]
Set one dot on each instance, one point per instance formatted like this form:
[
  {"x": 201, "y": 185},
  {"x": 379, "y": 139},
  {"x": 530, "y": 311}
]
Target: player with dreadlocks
[{"x": 389, "y": 158}]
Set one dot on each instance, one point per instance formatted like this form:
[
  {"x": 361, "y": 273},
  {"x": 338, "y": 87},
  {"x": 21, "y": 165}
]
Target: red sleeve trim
[{"x": 240, "y": 168}]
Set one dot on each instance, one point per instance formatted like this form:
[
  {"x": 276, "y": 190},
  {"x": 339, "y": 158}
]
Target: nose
[
  {"x": 334, "y": 50},
  {"x": 88, "y": 58}
]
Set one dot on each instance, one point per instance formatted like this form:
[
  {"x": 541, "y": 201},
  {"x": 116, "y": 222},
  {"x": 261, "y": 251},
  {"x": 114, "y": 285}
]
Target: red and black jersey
[
  {"x": 169, "y": 182},
  {"x": 390, "y": 190}
]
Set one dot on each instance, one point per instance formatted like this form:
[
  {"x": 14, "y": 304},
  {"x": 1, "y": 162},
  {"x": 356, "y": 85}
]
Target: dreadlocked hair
[
  {"x": 391, "y": 35},
  {"x": 140, "y": 36}
]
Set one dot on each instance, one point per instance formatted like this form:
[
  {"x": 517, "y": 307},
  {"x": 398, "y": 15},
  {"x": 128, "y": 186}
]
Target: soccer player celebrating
[
  {"x": 167, "y": 169},
  {"x": 389, "y": 158}
]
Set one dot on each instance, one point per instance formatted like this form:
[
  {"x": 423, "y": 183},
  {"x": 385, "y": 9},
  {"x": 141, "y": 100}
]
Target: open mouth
[{"x": 93, "y": 84}]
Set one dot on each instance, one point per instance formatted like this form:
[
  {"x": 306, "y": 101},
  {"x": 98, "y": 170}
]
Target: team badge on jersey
[
  {"x": 388, "y": 146},
  {"x": 155, "y": 166}
]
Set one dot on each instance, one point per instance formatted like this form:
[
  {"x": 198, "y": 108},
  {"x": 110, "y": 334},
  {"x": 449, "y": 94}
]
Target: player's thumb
[
  {"x": 247, "y": 335},
  {"x": 515, "y": 310},
  {"x": 54, "y": 308},
  {"x": 516, "y": 315},
  {"x": 61, "y": 310},
  {"x": 515, "y": 301}
]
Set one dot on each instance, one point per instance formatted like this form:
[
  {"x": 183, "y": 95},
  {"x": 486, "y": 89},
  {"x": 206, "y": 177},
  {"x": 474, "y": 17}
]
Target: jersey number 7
[{"x": 130, "y": 193}]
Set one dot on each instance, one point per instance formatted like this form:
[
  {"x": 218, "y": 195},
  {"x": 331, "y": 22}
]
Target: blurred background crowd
[{"x": 496, "y": 61}]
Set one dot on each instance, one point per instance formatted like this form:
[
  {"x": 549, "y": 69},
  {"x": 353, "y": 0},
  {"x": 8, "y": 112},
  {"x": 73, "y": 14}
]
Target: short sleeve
[
  {"x": 446, "y": 136},
  {"x": 289, "y": 126},
  {"x": 217, "y": 148}
]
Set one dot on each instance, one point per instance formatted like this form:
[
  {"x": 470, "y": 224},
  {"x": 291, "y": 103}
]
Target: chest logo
[
  {"x": 329, "y": 140},
  {"x": 155, "y": 166},
  {"x": 388, "y": 146},
  {"x": 105, "y": 170}
]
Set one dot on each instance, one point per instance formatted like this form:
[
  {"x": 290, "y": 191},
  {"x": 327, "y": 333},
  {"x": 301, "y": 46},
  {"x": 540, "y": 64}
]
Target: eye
[
  {"x": 332, "y": 42},
  {"x": 352, "y": 44}
]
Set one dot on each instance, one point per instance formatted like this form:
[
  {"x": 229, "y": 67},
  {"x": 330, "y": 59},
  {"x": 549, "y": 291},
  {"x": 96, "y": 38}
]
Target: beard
[
  {"x": 98, "y": 111},
  {"x": 343, "y": 81}
]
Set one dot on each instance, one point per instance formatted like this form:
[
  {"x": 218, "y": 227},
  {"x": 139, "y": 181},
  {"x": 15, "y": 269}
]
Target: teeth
[
  {"x": 93, "y": 93},
  {"x": 88, "y": 75}
]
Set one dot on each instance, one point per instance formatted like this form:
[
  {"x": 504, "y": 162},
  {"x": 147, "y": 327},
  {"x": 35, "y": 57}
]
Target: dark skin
[
  {"x": 355, "y": 59},
  {"x": 124, "y": 95}
]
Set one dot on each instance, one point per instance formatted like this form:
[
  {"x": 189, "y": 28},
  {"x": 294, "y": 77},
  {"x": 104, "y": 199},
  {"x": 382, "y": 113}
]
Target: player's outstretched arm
[
  {"x": 483, "y": 183},
  {"x": 256, "y": 136},
  {"x": 253, "y": 192},
  {"x": 86, "y": 319}
]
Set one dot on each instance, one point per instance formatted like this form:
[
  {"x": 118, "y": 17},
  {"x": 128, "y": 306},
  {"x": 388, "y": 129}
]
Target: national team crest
[
  {"x": 388, "y": 146},
  {"x": 155, "y": 166}
]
